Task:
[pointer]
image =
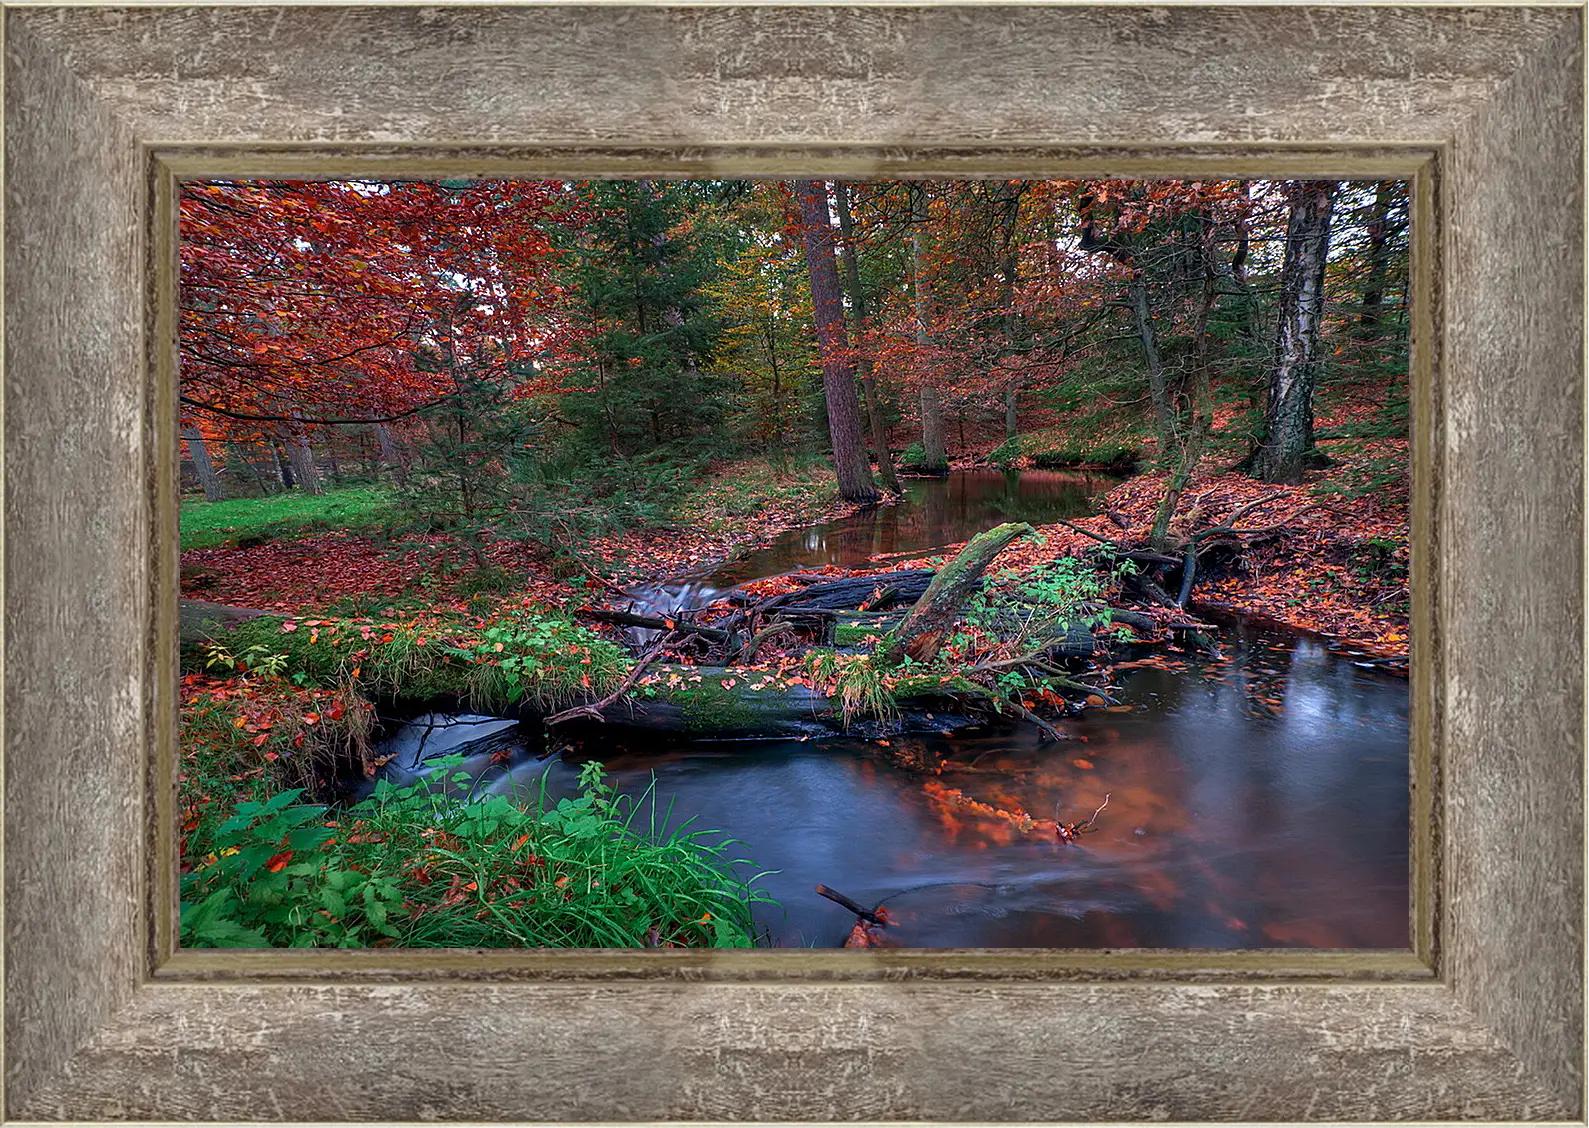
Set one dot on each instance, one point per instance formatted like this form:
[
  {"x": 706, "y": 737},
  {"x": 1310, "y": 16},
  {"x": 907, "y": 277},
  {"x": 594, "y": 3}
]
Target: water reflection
[{"x": 934, "y": 512}]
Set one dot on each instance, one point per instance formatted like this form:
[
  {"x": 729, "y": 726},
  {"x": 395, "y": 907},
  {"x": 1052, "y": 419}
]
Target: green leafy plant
[{"x": 422, "y": 867}]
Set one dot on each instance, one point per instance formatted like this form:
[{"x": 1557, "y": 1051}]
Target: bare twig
[
  {"x": 1091, "y": 819},
  {"x": 859, "y": 910},
  {"x": 593, "y": 710},
  {"x": 1090, "y": 533}
]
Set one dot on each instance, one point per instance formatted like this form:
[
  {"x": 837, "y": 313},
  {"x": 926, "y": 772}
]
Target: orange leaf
[{"x": 279, "y": 862}]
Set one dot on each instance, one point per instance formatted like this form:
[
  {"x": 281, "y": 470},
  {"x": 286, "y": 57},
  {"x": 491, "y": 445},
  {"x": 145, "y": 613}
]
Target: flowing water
[
  {"x": 1256, "y": 800},
  {"x": 934, "y": 512}
]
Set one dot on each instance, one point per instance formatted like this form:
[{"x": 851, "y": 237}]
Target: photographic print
[
  {"x": 114, "y": 1010},
  {"x": 647, "y": 563}
]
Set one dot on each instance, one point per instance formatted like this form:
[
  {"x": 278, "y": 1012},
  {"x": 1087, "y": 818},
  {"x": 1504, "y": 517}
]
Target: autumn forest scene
[{"x": 794, "y": 563}]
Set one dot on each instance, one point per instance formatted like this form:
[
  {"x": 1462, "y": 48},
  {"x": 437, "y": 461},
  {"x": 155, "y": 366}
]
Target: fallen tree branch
[
  {"x": 1089, "y": 533},
  {"x": 1043, "y": 726},
  {"x": 650, "y": 622},
  {"x": 593, "y": 710},
  {"x": 853, "y": 906},
  {"x": 1188, "y": 574}
]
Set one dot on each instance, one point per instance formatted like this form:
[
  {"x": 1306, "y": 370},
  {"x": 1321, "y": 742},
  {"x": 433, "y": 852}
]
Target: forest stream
[{"x": 1255, "y": 799}]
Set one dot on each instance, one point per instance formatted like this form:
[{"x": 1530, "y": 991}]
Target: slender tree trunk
[
  {"x": 858, "y": 306},
  {"x": 242, "y": 456},
  {"x": 935, "y": 458},
  {"x": 391, "y": 457},
  {"x": 1009, "y": 277},
  {"x": 1190, "y": 450},
  {"x": 202, "y": 466},
  {"x": 1158, "y": 389},
  {"x": 1374, "y": 288},
  {"x": 838, "y": 378},
  {"x": 672, "y": 316},
  {"x": 1288, "y": 412},
  {"x": 302, "y": 456}
]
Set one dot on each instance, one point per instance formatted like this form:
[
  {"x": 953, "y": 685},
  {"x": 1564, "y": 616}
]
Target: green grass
[
  {"x": 212, "y": 524},
  {"x": 415, "y": 867}
]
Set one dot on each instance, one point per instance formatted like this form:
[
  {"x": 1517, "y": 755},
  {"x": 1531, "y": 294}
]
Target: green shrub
[
  {"x": 1007, "y": 452},
  {"x": 914, "y": 458},
  {"x": 524, "y": 654},
  {"x": 482, "y": 581}
]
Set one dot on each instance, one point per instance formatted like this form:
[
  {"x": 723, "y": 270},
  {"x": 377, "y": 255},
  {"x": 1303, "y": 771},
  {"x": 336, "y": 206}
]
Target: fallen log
[
  {"x": 730, "y": 703},
  {"x": 922, "y": 633},
  {"x": 849, "y": 593}
]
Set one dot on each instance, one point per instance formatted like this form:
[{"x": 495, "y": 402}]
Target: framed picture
[{"x": 109, "y": 112}]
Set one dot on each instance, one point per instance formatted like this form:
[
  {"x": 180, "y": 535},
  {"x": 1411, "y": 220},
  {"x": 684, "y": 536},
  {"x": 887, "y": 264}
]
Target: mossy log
[
  {"x": 724, "y": 703},
  {"x": 922, "y": 633}
]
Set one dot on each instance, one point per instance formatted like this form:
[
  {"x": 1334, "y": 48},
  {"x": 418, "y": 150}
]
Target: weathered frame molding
[{"x": 1481, "y": 107}]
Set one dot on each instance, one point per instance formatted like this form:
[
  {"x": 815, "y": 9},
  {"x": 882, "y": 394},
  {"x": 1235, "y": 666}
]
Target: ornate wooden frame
[{"x": 106, "y": 108}]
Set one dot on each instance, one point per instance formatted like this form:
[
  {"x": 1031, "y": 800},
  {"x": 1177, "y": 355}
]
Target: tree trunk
[
  {"x": 838, "y": 378},
  {"x": 922, "y": 633},
  {"x": 672, "y": 315},
  {"x": 935, "y": 458},
  {"x": 852, "y": 274},
  {"x": 1158, "y": 390},
  {"x": 202, "y": 466},
  {"x": 302, "y": 456},
  {"x": 391, "y": 457},
  {"x": 1190, "y": 450},
  {"x": 242, "y": 456},
  {"x": 1009, "y": 277},
  {"x": 1288, "y": 412},
  {"x": 283, "y": 465},
  {"x": 1374, "y": 287}
]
